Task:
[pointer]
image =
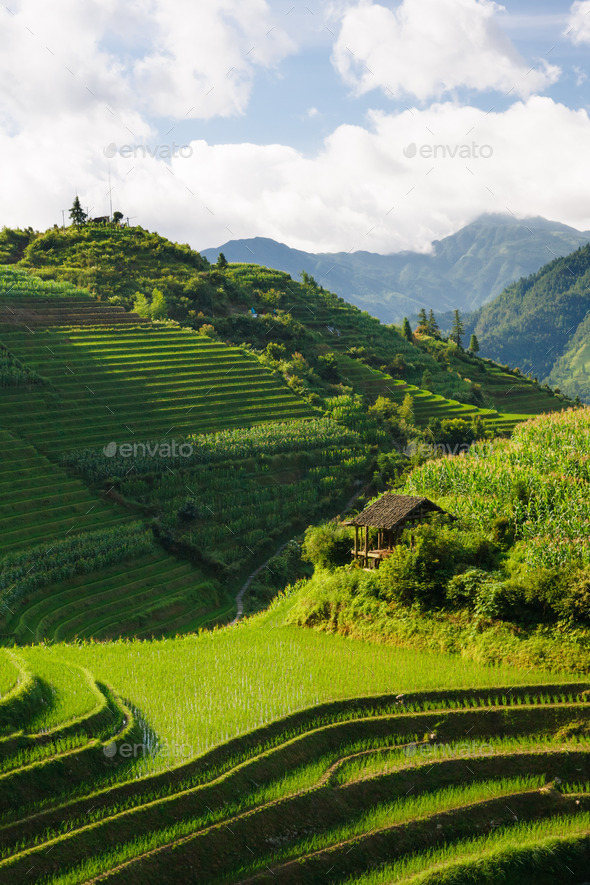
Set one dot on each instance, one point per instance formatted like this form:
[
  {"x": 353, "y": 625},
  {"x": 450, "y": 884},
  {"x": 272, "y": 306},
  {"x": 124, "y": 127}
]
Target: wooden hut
[{"x": 390, "y": 515}]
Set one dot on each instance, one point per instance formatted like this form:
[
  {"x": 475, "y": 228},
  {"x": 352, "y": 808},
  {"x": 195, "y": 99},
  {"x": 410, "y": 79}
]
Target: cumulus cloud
[
  {"x": 396, "y": 183},
  {"x": 204, "y": 58},
  {"x": 426, "y": 48},
  {"x": 578, "y": 26},
  {"x": 163, "y": 58}
]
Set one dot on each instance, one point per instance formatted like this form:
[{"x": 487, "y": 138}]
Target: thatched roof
[{"x": 391, "y": 510}]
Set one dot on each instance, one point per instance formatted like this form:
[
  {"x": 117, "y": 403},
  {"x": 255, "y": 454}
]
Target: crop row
[
  {"x": 162, "y": 823},
  {"x": 188, "y": 386},
  {"x": 39, "y": 502},
  {"x": 538, "y": 481}
]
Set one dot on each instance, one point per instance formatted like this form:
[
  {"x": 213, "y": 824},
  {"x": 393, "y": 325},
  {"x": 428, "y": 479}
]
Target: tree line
[{"x": 427, "y": 325}]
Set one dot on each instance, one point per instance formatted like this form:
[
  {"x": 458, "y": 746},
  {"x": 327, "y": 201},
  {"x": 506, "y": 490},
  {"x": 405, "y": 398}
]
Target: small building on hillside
[{"x": 390, "y": 515}]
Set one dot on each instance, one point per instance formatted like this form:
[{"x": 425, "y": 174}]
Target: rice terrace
[{"x": 286, "y": 593}]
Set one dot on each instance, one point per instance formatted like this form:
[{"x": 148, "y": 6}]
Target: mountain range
[
  {"x": 541, "y": 323},
  {"x": 465, "y": 270}
]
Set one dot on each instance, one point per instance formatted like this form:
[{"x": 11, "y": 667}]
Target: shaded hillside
[
  {"x": 536, "y": 323},
  {"x": 572, "y": 371},
  {"x": 291, "y": 326},
  {"x": 464, "y": 270}
]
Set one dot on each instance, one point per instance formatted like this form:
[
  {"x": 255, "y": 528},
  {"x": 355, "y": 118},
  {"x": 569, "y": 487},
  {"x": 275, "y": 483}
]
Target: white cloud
[
  {"x": 426, "y": 48},
  {"x": 161, "y": 58},
  {"x": 204, "y": 58},
  {"x": 359, "y": 192},
  {"x": 578, "y": 26}
]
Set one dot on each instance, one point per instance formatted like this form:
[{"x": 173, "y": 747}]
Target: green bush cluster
[
  {"x": 420, "y": 568},
  {"x": 327, "y": 546},
  {"x": 440, "y": 567},
  {"x": 14, "y": 373}
]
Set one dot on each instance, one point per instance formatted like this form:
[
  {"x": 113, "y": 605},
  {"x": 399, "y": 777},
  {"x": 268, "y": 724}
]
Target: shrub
[
  {"x": 418, "y": 570},
  {"x": 485, "y": 593},
  {"x": 327, "y": 546},
  {"x": 503, "y": 532},
  {"x": 188, "y": 511},
  {"x": 327, "y": 368}
]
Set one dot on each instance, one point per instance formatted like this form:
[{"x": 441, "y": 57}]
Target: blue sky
[
  {"x": 325, "y": 125},
  {"x": 281, "y": 99}
]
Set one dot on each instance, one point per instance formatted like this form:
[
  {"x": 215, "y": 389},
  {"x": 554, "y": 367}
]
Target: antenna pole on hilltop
[
  {"x": 63, "y": 219},
  {"x": 110, "y": 194}
]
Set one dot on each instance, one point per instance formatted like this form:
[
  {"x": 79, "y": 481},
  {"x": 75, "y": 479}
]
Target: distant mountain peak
[{"x": 464, "y": 270}]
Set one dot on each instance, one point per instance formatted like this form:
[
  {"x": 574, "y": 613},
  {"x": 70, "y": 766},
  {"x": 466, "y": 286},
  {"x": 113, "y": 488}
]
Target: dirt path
[
  {"x": 250, "y": 578},
  {"x": 248, "y": 581}
]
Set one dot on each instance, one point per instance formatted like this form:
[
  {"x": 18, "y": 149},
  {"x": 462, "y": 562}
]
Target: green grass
[
  {"x": 9, "y": 674},
  {"x": 175, "y": 383},
  {"x": 401, "y": 811},
  {"x": 220, "y": 684},
  {"x": 217, "y": 686},
  {"x": 69, "y": 693},
  {"x": 545, "y": 841},
  {"x": 39, "y": 502}
]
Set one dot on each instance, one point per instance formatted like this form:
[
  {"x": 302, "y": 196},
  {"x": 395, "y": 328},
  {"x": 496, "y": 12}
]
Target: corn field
[{"x": 539, "y": 480}]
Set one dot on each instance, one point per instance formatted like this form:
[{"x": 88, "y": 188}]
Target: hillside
[
  {"x": 297, "y": 317},
  {"x": 517, "y": 560},
  {"x": 149, "y": 468},
  {"x": 84, "y": 379},
  {"x": 84, "y": 382},
  {"x": 571, "y": 371},
  {"x": 323, "y": 752},
  {"x": 463, "y": 271},
  {"x": 551, "y": 306}
]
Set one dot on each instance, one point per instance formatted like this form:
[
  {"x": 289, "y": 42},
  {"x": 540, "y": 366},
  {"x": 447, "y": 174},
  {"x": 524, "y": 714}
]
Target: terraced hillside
[
  {"x": 153, "y": 593},
  {"x": 426, "y": 405},
  {"x": 456, "y": 784},
  {"x": 73, "y": 378},
  {"x": 127, "y": 381},
  {"x": 39, "y": 502},
  {"x": 116, "y": 263},
  {"x": 249, "y": 491},
  {"x": 342, "y": 328}
]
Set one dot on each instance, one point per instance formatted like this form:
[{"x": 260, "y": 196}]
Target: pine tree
[
  {"x": 406, "y": 410},
  {"x": 141, "y": 305},
  {"x": 77, "y": 214},
  {"x": 158, "y": 306},
  {"x": 221, "y": 260},
  {"x": 457, "y": 330},
  {"x": 407, "y": 330},
  {"x": 422, "y": 321},
  {"x": 474, "y": 344},
  {"x": 432, "y": 325}
]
